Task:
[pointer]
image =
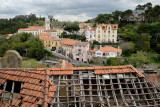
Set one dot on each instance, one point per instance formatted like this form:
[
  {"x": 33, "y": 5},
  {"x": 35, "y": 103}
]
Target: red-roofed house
[
  {"x": 67, "y": 47},
  {"x": 48, "y": 42},
  {"x": 35, "y": 30},
  {"x": 108, "y": 51},
  {"x": 42, "y": 35}
]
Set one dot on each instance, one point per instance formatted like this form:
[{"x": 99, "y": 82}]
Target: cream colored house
[
  {"x": 106, "y": 33},
  {"x": 67, "y": 47}
]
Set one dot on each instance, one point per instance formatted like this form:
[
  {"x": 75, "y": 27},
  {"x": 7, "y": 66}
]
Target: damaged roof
[{"x": 86, "y": 85}]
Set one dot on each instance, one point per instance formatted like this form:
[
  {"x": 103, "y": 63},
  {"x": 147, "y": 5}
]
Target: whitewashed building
[
  {"x": 36, "y": 30},
  {"x": 90, "y": 34},
  {"x": 108, "y": 51}
]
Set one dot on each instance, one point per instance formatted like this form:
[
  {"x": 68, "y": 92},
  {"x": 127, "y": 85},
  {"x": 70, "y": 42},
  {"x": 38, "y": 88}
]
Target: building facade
[
  {"x": 80, "y": 51},
  {"x": 34, "y": 30},
  {"x": 90, "y": 34},
  {"x": 108, "y": 51},
  {"x": 106, "y": 33},
  {"x": 67, "y": 47}
]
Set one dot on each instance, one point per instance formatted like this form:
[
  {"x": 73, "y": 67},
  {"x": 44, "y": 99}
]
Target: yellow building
[
  {"x": 67, "y": 47},
  {"x": 57, "y": 42},
  {"x": 48, "y": 42},
  {"x": 106, "y": 33}
]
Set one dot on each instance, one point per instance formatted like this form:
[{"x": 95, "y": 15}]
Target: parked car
[{"x": 53, "y": 49}]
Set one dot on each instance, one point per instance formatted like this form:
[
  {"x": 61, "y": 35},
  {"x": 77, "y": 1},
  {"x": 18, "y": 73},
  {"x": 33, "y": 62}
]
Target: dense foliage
[
  {"x": 11, "y": 25},
  {"x": 73, "y": 36},
  {"x": 26, "y": 44}
]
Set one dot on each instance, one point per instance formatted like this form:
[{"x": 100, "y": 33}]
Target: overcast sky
[{"x": 67, "y": 10}]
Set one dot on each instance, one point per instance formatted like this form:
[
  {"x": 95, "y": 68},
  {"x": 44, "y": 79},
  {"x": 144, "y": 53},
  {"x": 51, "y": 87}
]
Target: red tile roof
[
  {"x": 33, "y": 90},
  {"x": 38, "y": 88},
  {"x": 46, "y": 39},
  {"x": 93, "y": 50},
  {"x": 114, "y": 26},
  {"x": 109, "y": 49},
  {"x": 69, "y": 42},
  {"x": 32, "y": 28},
  {"x": 10, "y": 34}
]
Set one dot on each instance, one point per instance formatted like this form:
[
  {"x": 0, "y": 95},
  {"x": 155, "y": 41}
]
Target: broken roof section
[{"x": 77, "y": 86}]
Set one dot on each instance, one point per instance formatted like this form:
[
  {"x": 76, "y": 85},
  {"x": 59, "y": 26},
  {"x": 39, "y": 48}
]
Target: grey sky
[{"x": 68, "y": 10}]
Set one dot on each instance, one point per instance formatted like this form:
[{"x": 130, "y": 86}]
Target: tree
[
  {"x": 36, "y": 49},
  {"x": 73, "y": 28},
  {"x": 139, "y": 59},
  {"x": 143, "y": 43}
]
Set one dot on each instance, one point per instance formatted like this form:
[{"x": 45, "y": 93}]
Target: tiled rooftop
[
  {"x": 110, "y": 49},
  {"x": 32, "y": 28},
  {"x": 69, "y": 42},
  {"x": 114, "y": 26},
  {"x": 86, "y": 85},
  {"x": 46, "y": 39}
]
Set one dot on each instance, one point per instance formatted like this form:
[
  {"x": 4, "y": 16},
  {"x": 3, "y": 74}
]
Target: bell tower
[{"x": 47, "y": 23}]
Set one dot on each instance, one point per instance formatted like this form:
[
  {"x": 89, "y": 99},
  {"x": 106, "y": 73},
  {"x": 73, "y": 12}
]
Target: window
[
  {"x": 99, "y": 27},
  {"x": 112, "y": 40},
  {"x": 99, "y": 31},
  {"x": 104, "y": 31},
  {"x": 46, "y": 41},
  {"x": 98, "y": 36},
  {"x": 113, "y": 31},
  {"x": 108, "y": 31},
  {"x": 112, "y": 35},
  {"x": 56, "y": 43},
  {"x": 109, "y": 27}
]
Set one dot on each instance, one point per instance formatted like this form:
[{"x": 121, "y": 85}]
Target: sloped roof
[
  {"x": 78, "y": 43},
  {"x": 32, "y": 28},
  {"x": 109, "y": 49},
  {"x": 10, "y": 34},
  {"x": 46, "y": 39},
  {"x": 69, "y": 42},
  {"x": 93, "y": 50},
  {"x": 34, "y": 87},
  {"x": 123, "y": 84},
  {"x": 114, "y": 26}
]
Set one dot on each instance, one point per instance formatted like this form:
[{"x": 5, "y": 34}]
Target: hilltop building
[{"x": 106, "y": 33}]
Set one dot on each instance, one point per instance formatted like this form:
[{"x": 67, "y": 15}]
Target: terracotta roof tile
[
  {"x": 32, "y": 28},
  {"x": 70, "y": 42},
  {"x": 109, "y": 49},
  {"x": 46, "y": 39},
  {"x": 10, "y": 34},
  {"x": 114, "y": 26},
  {"x": 33, "y": 87},
  {"x": 93, "y": 50}
]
